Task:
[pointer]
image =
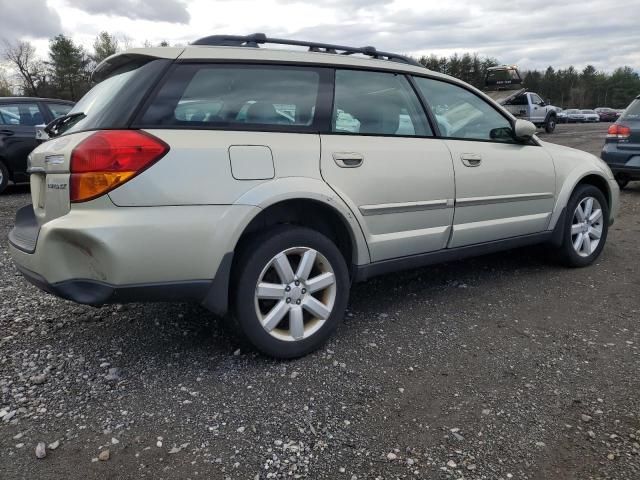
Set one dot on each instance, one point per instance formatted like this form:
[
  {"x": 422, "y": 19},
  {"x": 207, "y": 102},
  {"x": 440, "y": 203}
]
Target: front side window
[
  {"x": 375, "y": 103},
  {"x": 462, "y": 114},
  {"x": 536, "y": 100},
  {"x": 24, "y": 114},
  {"x": 236, "y": 96}
]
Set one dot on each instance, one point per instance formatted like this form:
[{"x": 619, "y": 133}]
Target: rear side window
[
  {"x": 237, "y": 97},
  {"x": 377, "y": 103},
  {"x": 24, "y": 114},
  {"x": 632, "y": 112}
]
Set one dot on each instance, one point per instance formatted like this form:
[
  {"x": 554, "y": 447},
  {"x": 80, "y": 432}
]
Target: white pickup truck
[{"x": 504, "y": 85}]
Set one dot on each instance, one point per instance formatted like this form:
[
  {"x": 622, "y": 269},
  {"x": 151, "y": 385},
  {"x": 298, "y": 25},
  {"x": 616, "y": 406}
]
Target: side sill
[{"x": 364, "y": 272}]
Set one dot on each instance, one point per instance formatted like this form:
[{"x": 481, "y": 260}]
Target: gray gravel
[{"x": 505, "y": 366}]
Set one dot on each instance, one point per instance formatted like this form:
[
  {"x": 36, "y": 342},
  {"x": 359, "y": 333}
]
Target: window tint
[
  {"x": 26, "y": 114},
  {"x": 236, "y": 96},
  {"x": 59, "y": 109},
  {"x": 462, "y": 114},
  {"x": 377, "y": 103},
  {"x": 632, "y": 112}
]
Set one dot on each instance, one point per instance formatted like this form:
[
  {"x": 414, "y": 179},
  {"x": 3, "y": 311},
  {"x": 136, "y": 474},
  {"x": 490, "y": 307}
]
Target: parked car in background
[
  {"x": 574, "y": 115},
  {"x": 622, "y": 146},
  {"x": 273, "y": 217},
  {"x": 607, "y": 114},
  {"x": 18, "y": 119},
  {"x": 562, "y": 115},
  {"x": 590, "y": 116}
]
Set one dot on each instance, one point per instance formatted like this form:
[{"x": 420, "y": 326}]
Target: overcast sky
[{"x": 532, "y": 34}]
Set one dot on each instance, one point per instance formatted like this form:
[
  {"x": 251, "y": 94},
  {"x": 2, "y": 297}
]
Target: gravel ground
[{"x": 500, "y": 367}]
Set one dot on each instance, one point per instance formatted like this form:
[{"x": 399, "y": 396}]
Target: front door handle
[
  {"x": 471, "y": 159},
  {"x": 7, "y": 133},
  {"x": 348, "y": 159}
]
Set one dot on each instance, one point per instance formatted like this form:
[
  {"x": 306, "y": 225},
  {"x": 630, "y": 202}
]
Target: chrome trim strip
[
  {"x": 384, "y": 208},
  {"x": 36, "y": 170},
  {"x": 471, "y": 201}
]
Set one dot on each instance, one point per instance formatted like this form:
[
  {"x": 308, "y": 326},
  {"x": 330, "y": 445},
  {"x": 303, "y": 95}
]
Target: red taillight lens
[
  {"x": 108, "y": 158},
  {"x": 619, "y": 132}
]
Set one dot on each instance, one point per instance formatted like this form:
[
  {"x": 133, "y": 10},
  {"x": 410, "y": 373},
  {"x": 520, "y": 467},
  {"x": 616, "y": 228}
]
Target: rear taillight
[
  {"x": 619, "y": 132},
  {"x": 108, "y": 158}
]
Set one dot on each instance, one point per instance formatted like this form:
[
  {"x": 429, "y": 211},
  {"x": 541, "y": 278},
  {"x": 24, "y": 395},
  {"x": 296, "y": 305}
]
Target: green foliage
[
  {"x": 470, "y": 68},
  {"x": 569, "y": 88},
  {"x": 104, "y": 46},
  {"x": 68, "y": 68}
]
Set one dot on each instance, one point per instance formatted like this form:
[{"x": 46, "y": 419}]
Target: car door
[
  {"x": 381, "y": 157},
  {"x": 17, "y": 135},
  {"x": 504, "y": 188},
  {"x": 537, "y": 112}
]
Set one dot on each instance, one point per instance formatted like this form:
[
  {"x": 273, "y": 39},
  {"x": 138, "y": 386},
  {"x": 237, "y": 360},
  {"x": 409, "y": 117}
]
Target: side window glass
[
  {"x": 536, "y": 100},
  {"x": 25, "y": 114},
  {"x": 58, "y": 109},
  {"x": 228, "y": 96},
  {"x": 462, "y": 114},
  {"x": 377, "y": 103}
]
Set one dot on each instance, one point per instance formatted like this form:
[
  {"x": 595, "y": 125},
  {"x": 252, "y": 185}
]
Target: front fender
[{"x": 291, "y": 188}]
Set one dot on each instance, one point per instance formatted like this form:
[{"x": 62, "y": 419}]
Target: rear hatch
[
  {"x": 124, "y": 80},
  {"x": 631, "y": 118}
]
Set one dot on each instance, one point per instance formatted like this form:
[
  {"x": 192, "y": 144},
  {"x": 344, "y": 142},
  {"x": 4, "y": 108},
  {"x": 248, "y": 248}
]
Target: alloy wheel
[
  {"x": 295, "y": 294},
  {"x": 587, "y": 226}
]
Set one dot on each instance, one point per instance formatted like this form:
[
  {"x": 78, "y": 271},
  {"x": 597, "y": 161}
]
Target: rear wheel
[
  {"x": 292, "y": 289},
  {"x": 550, "y": 124},
  {"x": 586, "y": 226},
  {"x": 4, "y": 177}
]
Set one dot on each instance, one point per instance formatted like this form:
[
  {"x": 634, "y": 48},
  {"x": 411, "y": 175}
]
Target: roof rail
[{"x": 256, "y": 39}]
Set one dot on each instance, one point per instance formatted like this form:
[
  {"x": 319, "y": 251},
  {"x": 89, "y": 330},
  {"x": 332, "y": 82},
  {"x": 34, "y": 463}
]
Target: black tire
[
  {"x": 4, "y": 177},
  {"x": 568, "y": 254},
  {"x": 550, "y": 124},
  {"x": 622, "y": 182},
  {"x": 255, "y": 255}
]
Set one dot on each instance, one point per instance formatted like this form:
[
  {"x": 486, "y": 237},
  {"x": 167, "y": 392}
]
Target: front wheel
[
  {"x": 550, "y": 124},
  {"x": 586, "y": 226},
  {"x": 291, "y": 292}
]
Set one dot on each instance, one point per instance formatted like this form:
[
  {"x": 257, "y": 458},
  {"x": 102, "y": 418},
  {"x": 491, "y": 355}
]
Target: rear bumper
[
  {"x": 622, "y": 161},
  {"x": 95, "y": 255}
]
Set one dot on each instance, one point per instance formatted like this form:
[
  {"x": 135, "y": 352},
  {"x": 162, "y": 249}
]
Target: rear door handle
[
  {"x": 471, "y": 159},
  {"x": 348, "y": 159},
  {"x": 7, "y": 133}
]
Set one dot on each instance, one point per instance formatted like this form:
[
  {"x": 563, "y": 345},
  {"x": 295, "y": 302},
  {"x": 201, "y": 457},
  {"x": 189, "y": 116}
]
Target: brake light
[
  {"x": 109, "y": 158},
  {"x": 619, "y": 132}
]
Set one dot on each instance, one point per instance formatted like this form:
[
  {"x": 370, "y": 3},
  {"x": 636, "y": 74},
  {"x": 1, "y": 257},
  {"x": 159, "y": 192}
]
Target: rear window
[
  {"x": 632, "y": 112},
  {"x": 111, "y": 102},
  {"x": 236, "y": 96}
]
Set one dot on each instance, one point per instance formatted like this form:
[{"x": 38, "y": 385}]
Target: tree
[
  {"x": 68, "y": 67},
  {"x": 22, "y": 57},
  {"x": 104, "y": 46},
  {"x": 5, "y": 87}
]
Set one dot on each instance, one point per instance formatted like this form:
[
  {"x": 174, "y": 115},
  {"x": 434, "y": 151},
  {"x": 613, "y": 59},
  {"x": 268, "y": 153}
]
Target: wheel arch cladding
[
  {"x": 309, "y": 213},
  {"x": 573, "y": 181},
  {"x": 600, "y": 183}
]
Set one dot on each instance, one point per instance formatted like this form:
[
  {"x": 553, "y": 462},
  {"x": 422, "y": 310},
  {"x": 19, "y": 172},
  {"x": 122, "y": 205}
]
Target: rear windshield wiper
[{"x": 56, "y": 127}]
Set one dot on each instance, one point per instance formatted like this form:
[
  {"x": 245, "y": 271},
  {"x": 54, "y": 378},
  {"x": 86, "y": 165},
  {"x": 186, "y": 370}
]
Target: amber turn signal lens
[{"x": 87, "y": 186}]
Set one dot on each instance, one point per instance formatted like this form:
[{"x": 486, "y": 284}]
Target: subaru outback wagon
[{"x": 263, "y": 182}]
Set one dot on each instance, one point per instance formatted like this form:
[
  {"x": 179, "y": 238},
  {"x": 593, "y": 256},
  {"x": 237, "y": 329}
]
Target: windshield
[
  {"x": 588, "y": 111},
  {"x": 632, "y": 112},
  {"x": 111, "y": 102}
]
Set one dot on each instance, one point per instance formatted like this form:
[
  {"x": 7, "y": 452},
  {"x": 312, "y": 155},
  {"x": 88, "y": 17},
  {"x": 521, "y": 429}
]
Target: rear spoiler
[{"x": 136, "y": 57}]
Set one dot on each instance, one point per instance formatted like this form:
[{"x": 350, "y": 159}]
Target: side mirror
[
  {"x": 41, "y": 134},
  {"x": 523, "y": 129}
]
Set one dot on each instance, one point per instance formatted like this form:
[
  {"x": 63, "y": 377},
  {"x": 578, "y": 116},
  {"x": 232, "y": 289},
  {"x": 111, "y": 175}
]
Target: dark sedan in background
[
  {"x": 18, "y": 119},
  {"x": 622, "y": 147},
  {"x": 607, "y": 114}
]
